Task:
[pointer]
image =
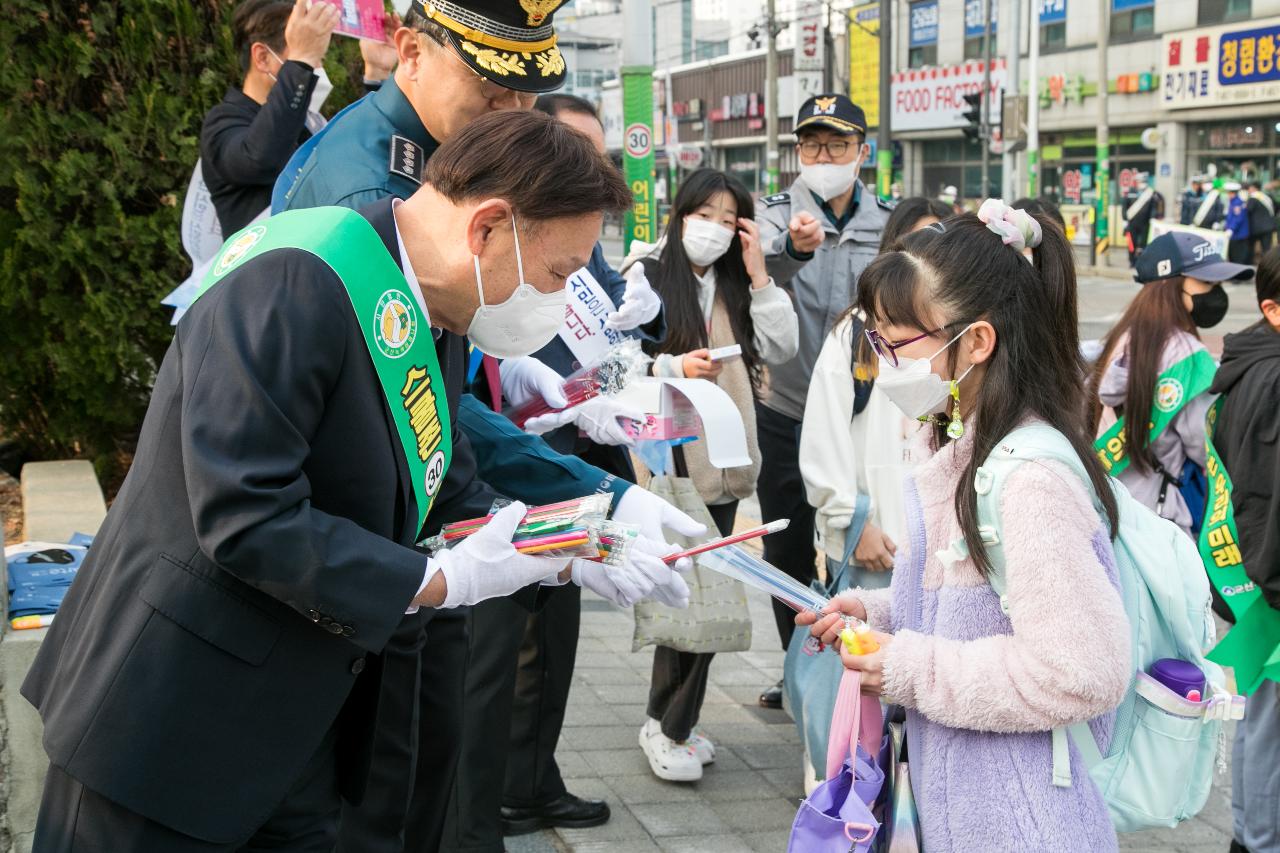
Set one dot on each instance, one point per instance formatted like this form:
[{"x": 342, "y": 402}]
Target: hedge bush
[{"x": 100, "y": 112}]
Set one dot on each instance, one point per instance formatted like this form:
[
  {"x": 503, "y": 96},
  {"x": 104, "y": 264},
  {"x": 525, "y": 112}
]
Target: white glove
[
  {"x": 651, "y": 514},
  {"x": 486, "y": 565},
  {"x": 639, "y": 303},
  {"x": 598, "y": 418},
  {"x": 642, "y": 574},
  {"x": 525, "y": 378}
]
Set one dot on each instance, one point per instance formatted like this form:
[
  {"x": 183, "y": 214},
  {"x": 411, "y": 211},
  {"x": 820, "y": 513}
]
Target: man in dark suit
[{"x": 211, "y": 681}]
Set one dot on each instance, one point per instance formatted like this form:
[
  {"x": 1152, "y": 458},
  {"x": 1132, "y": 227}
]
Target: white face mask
[
  {"x": 914, "y": 388},
  {"x": 705, "y": 242},
  {"x": 830, "y": 179},
  {"x": 521, "y": 324}
]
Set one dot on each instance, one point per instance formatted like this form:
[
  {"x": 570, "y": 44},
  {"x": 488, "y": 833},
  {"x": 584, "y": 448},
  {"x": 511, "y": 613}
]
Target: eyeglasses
[
  {"x": 889, "y": 351},
  {"x": 837, "y": 148}
]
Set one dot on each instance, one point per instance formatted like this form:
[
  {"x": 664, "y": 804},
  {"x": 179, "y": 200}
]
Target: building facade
[{"x": 1198, "y": 76}]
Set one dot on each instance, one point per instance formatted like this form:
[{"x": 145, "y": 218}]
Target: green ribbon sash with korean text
[
  {"x": 1181, "y": 382},
  {"x": 400, "y": 344},
  {"x": 1252, "y": 647}
]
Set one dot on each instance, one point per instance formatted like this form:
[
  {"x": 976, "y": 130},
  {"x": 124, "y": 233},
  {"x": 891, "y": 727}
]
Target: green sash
[
  {"x": 1252, "y": 647},
  {"x": 399, "y": 342},
  {"x": 1183, "y": 381}
]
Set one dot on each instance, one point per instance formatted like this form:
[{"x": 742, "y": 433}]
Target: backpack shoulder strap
[{"x": 1036, "y": 442}]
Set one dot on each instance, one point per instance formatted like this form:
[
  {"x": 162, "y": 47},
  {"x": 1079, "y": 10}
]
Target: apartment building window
[
  {"x": 921, "y": 57},
  {"x": 1223, "y": 11},
  {"x": 1132, "y": 19},
  {"x": 1053, "y": 25}
]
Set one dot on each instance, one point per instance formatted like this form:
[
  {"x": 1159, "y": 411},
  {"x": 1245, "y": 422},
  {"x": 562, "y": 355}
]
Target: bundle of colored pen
[
  {"x": 607, "y": 375},
  {"x": 573, "y": 528}
]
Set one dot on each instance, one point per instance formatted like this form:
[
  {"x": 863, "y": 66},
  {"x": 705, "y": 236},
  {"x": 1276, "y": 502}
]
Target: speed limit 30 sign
[{"x": 638, "y": 140}]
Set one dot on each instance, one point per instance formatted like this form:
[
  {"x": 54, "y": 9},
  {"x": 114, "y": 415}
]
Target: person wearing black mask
[{"x": 1182, "y": 277}]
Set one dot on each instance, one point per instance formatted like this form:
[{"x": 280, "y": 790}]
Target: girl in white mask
[
  {"x": 709, "y": 270},
  {"x": 979, "y": 342}
]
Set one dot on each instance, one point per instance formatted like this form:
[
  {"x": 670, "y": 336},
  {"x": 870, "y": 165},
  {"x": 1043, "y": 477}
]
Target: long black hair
[
  {"x": 675, "y": 283},
  {"x": 1154, "y": 316},
  {"x": 963, "y": 270}
]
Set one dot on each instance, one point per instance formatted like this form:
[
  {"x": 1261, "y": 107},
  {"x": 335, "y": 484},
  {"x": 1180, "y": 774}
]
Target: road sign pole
[{"x": 637, "y": 118}]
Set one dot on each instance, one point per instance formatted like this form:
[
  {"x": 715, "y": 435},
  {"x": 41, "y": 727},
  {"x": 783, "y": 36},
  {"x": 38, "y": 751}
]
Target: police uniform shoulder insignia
[
  {"x": 776, "y": 199},
  {"x": 407, "y": 159}
]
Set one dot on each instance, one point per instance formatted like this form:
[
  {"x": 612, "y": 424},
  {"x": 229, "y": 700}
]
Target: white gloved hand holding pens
[{"x": 486, "y": 565}]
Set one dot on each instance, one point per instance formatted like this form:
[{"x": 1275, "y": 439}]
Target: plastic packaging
[
  {"x": 606, "y": 376},
  {"x": 740, "y": 564},
  {"x": 570, "y": 528}
]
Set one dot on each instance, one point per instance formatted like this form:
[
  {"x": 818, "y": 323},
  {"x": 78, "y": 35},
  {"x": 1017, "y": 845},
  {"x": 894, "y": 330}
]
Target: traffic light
[{"x": 973, "y": 115}]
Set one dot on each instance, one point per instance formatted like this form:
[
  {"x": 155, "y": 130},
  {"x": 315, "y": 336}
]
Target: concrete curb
[{"x": 59, "y": 499}]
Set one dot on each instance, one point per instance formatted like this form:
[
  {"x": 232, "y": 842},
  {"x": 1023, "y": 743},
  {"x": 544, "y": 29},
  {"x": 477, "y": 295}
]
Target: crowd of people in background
[{"x": 873, "y": 339}]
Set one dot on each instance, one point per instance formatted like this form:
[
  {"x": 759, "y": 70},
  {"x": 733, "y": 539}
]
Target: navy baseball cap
[
  {"x": 831, "y": 112},
  {"x": 1184, "y": 253}
]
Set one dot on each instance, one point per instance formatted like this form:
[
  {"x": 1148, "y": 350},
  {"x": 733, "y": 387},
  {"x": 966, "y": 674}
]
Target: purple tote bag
[{"x": 837, "y": 816}]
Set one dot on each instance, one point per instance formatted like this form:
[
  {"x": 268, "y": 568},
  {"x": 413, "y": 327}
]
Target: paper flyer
[
  {"x": 723, "y": 430},
  {"x": 363, "y": 19}
]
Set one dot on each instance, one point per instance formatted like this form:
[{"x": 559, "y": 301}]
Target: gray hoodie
[{"x": 1183, "y": 439}]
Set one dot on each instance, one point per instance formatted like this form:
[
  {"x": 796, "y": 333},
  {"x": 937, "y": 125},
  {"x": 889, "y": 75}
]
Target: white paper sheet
[{"x": 722, "y": 426}]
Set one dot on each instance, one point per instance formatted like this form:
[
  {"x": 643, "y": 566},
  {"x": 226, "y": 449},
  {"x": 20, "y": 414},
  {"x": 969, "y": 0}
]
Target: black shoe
[
  {"x": 772, "y": 698},
  {"x": 567, "y": 811}
]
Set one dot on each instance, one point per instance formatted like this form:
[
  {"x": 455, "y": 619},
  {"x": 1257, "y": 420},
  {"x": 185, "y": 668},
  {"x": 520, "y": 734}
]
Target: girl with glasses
[{"x": 985, "y": 341}]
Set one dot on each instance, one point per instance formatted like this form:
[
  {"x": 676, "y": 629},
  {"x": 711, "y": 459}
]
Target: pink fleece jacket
[{"x": 984, "y": 688}]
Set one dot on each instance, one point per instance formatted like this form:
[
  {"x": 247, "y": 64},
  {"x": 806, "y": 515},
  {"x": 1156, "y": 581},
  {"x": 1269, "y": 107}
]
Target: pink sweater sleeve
[{"x": 1067, "y": 659}]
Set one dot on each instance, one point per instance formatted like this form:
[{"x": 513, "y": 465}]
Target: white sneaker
[
  {"x": 703, "y": 748},
  {"x": 668, "y": 759}
]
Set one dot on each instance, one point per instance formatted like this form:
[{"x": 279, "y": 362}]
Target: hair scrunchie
[{"x": 1016, "y": 228}]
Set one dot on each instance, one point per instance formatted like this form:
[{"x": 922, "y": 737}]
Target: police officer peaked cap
[
  {"x": 511, "y": 42},
  {"x": 831, "y": 112}
]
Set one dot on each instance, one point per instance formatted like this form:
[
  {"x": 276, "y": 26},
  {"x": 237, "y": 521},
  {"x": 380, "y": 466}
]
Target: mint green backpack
[{"x": 1159, "y": 766}]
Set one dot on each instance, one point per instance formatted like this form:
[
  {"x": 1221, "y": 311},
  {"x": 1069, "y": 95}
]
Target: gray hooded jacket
[{"x": 821, "y": 287}]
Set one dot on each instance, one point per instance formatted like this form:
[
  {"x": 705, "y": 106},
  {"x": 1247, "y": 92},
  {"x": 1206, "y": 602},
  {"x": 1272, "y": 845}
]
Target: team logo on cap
[
  {"x": 1169, "y": 395},
  {"x": 1203, "y": 250},
  {"x": 1164, "y": 267},
  {"x": 824, "y": 106},
  {"x": 395, "y": 323},
  {"x": 237, "y": 251}
]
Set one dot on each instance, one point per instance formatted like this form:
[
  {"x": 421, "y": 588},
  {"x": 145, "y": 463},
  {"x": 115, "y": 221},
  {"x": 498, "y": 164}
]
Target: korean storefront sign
[
  {"x": 1052, "y": 11},
  {"x": 864, "y": 60},
  {"x": 1232, "y": 64},
  {"x": 932, "y": 98},
  {"x": 924, "y": 23},
  {"x": 975, "y": 18}
]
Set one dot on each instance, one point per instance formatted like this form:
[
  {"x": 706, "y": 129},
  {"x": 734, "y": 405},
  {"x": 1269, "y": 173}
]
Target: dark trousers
[
  {"x": 781, "y": 494},
  {"x": 415, "y": 748},
  {"x": 1238, "y": 251},
  {"x": 1261, "y": 244},
  {"x": 678, "y": 685},
  {"x": 544, "y": 676},
  {"x": 516, "y": 696},
  {"x": 74, "y": 819},
  {"x": 496, "y": 629}
]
